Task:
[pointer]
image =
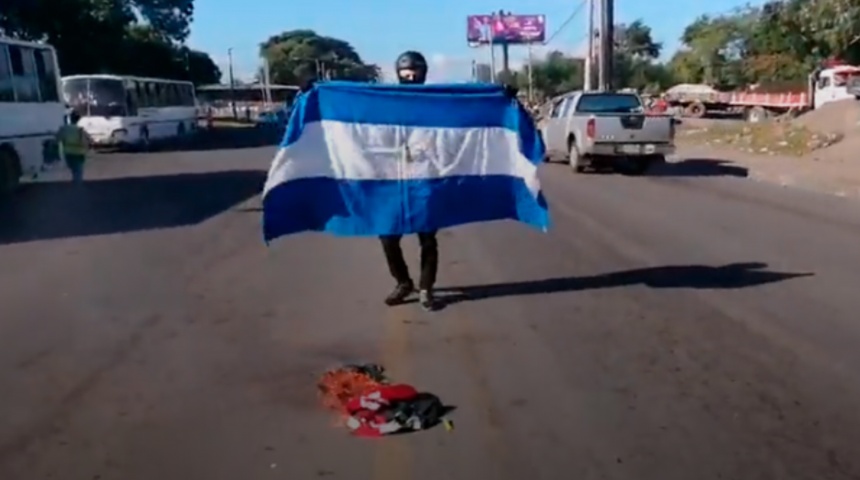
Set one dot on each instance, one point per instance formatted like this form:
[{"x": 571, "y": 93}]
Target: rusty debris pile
[{"x": 371, "y": 406}]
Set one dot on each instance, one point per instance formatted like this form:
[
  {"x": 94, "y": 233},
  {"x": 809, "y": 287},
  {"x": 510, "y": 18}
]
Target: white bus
[
  {"x": 131, "y": 111},
  {"x": 31, "y": 110}
]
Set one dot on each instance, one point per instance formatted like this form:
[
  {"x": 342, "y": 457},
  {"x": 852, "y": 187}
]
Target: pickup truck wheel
[{"x": 575, "y": 159}]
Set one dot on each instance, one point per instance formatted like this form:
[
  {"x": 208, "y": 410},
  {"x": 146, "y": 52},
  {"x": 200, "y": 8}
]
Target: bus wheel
[{"x": 10, "y": 171}]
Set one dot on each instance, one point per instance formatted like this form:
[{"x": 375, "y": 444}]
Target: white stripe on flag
[{"x": 350, "y": 151}]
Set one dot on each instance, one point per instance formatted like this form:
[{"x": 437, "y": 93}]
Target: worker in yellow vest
[{"x": 74, "y": 144}]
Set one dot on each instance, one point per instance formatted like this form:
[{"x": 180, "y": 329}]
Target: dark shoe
[
  {"x": 427, "y": 300},
  {"x": 400, "y": 293}
]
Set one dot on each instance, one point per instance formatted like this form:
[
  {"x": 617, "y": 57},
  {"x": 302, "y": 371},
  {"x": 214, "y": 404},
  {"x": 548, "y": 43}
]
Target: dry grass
[{"x": 768, "y": 138}]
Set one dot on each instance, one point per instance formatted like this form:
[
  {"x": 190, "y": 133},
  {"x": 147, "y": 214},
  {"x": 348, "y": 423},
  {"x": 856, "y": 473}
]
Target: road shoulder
[{"x": 840, "y": 178}]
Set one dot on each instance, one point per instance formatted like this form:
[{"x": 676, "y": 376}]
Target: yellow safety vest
[{"x": 74, "y": 140}]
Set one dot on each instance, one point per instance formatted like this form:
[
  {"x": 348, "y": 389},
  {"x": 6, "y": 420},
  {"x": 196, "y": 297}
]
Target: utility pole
[
  {"x": 607, "y": 43},
  {"x": 267, "y": 92},
  {"x": 589, "y": 57},
  {"x": 506, "y": 54},
  {"x": 232, "y": 83},
  {"x": 531, "y": 75}
]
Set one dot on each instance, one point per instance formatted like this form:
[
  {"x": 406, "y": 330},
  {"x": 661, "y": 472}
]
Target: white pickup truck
[{"x": 607, "y": 129}]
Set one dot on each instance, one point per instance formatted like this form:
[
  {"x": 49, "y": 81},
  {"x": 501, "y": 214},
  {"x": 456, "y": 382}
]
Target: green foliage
[
  {"x": 133, "y": 37},
  {"x": 635, "y": 65},
  {"x": 297, "y": 56},
  {"x": 776, "y": 44}
]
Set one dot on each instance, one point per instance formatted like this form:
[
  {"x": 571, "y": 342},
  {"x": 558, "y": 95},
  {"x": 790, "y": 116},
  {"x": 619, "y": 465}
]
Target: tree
[
  {"x": 779, "y": 42},
  {"x": 556, "y": 74},
  {"x": 133, "y": 37},
  {"x": 635, "y": 65},
  {"x": 774, "y": 47},
  {"x": 635, "y": 40},
  {"x": 835, "y": 24},
  {"x": 202, "y": 70},
  {"x": 28, "y": 18},
  {"x": 636, "y": 55},
  {"x": 297, "y": 56}
]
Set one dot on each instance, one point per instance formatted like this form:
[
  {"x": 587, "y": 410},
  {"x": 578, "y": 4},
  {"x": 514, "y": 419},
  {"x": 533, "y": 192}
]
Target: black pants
[{"x": 397, "y": 264}]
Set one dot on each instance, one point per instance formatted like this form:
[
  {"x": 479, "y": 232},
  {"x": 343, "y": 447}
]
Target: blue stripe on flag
[{"x": 371, "y": 207}]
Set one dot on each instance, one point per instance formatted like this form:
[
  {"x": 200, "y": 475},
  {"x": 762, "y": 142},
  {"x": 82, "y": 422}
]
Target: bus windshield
[{"x": 95, "y": 97}]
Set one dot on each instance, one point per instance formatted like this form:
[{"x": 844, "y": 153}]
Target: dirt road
[{"x": 684, "y": 326}]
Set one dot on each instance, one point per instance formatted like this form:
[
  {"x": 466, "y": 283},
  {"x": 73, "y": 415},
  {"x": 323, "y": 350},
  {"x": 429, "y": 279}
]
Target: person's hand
[{"x": 511, "y": 91}]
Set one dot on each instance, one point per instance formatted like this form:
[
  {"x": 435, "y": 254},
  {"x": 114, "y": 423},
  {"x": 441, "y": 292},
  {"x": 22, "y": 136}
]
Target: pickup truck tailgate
[{"x": 633, "y": 128}]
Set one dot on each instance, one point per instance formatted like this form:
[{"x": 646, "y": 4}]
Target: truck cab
[{"x": 833, "y": 84}]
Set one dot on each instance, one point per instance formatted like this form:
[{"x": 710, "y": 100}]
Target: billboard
[{"x": 511, "y": 29}]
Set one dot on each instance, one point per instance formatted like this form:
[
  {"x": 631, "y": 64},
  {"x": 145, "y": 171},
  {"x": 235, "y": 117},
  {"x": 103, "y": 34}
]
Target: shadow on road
[
  {"x": 62, "y": 210},
  {"x": 732, "y": 276},
  {"x": 698, "y": 167},
  {"x": 219, "y": 138}
]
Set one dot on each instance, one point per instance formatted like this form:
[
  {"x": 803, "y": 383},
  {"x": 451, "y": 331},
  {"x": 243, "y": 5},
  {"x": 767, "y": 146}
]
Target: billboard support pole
[
  {"x": 506, "y": 60},
  {"x": 492, "y": 61}
]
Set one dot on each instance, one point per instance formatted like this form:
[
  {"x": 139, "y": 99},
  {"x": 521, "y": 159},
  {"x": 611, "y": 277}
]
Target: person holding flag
[
  {"x": 411, "y": 69},
  {"x": 368, "y": 159}
]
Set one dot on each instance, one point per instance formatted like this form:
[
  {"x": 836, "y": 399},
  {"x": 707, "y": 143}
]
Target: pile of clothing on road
[{"x": 372, "y": 406}]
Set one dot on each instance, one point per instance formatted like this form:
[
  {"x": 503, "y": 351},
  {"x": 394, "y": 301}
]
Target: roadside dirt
[
  {"x": 820, "y": 133},
  {"x": 817, "y": 150},
  {"x": 768, "y": 138},
  {"x": 832, "y": 176}
]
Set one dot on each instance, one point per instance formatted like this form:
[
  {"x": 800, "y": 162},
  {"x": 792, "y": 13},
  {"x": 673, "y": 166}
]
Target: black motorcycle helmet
[{"x": 411, "y": 67}]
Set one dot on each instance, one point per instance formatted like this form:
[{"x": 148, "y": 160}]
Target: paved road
[{"x": 684, "y": 326}]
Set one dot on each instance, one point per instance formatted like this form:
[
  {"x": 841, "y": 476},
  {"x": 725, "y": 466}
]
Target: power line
[{"x": 566, "y": 22}]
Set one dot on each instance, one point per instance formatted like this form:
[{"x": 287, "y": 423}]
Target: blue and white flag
[{"x": 370, "y": 159}]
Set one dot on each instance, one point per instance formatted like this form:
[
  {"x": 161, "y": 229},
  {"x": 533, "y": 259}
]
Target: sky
[{"x": 381, "y": 29}]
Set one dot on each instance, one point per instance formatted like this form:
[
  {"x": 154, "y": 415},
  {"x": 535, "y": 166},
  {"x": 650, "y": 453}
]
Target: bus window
[
  {"x": 157, "y": 95},
  {"x": 131, "y": 98},
  {"x": 47, "y": 75},
  {"x": 149, "y": 95},
  {"x": 189, "y": 96},
  {"x": 76, "y": 94},
  {"x": 108, "y": 97},
  {"x": 173, "y": 98},
  {"x": 142, "y": 95},
  {"x": 166, "y": 98},
  {"x": 167, "y": 94},
  {"x": 7, "y": 91},
  {"x": 24, "y": 77}
]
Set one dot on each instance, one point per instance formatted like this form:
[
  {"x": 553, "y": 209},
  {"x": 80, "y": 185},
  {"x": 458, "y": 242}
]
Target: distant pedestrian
[{"x": 74, "y": 144}]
